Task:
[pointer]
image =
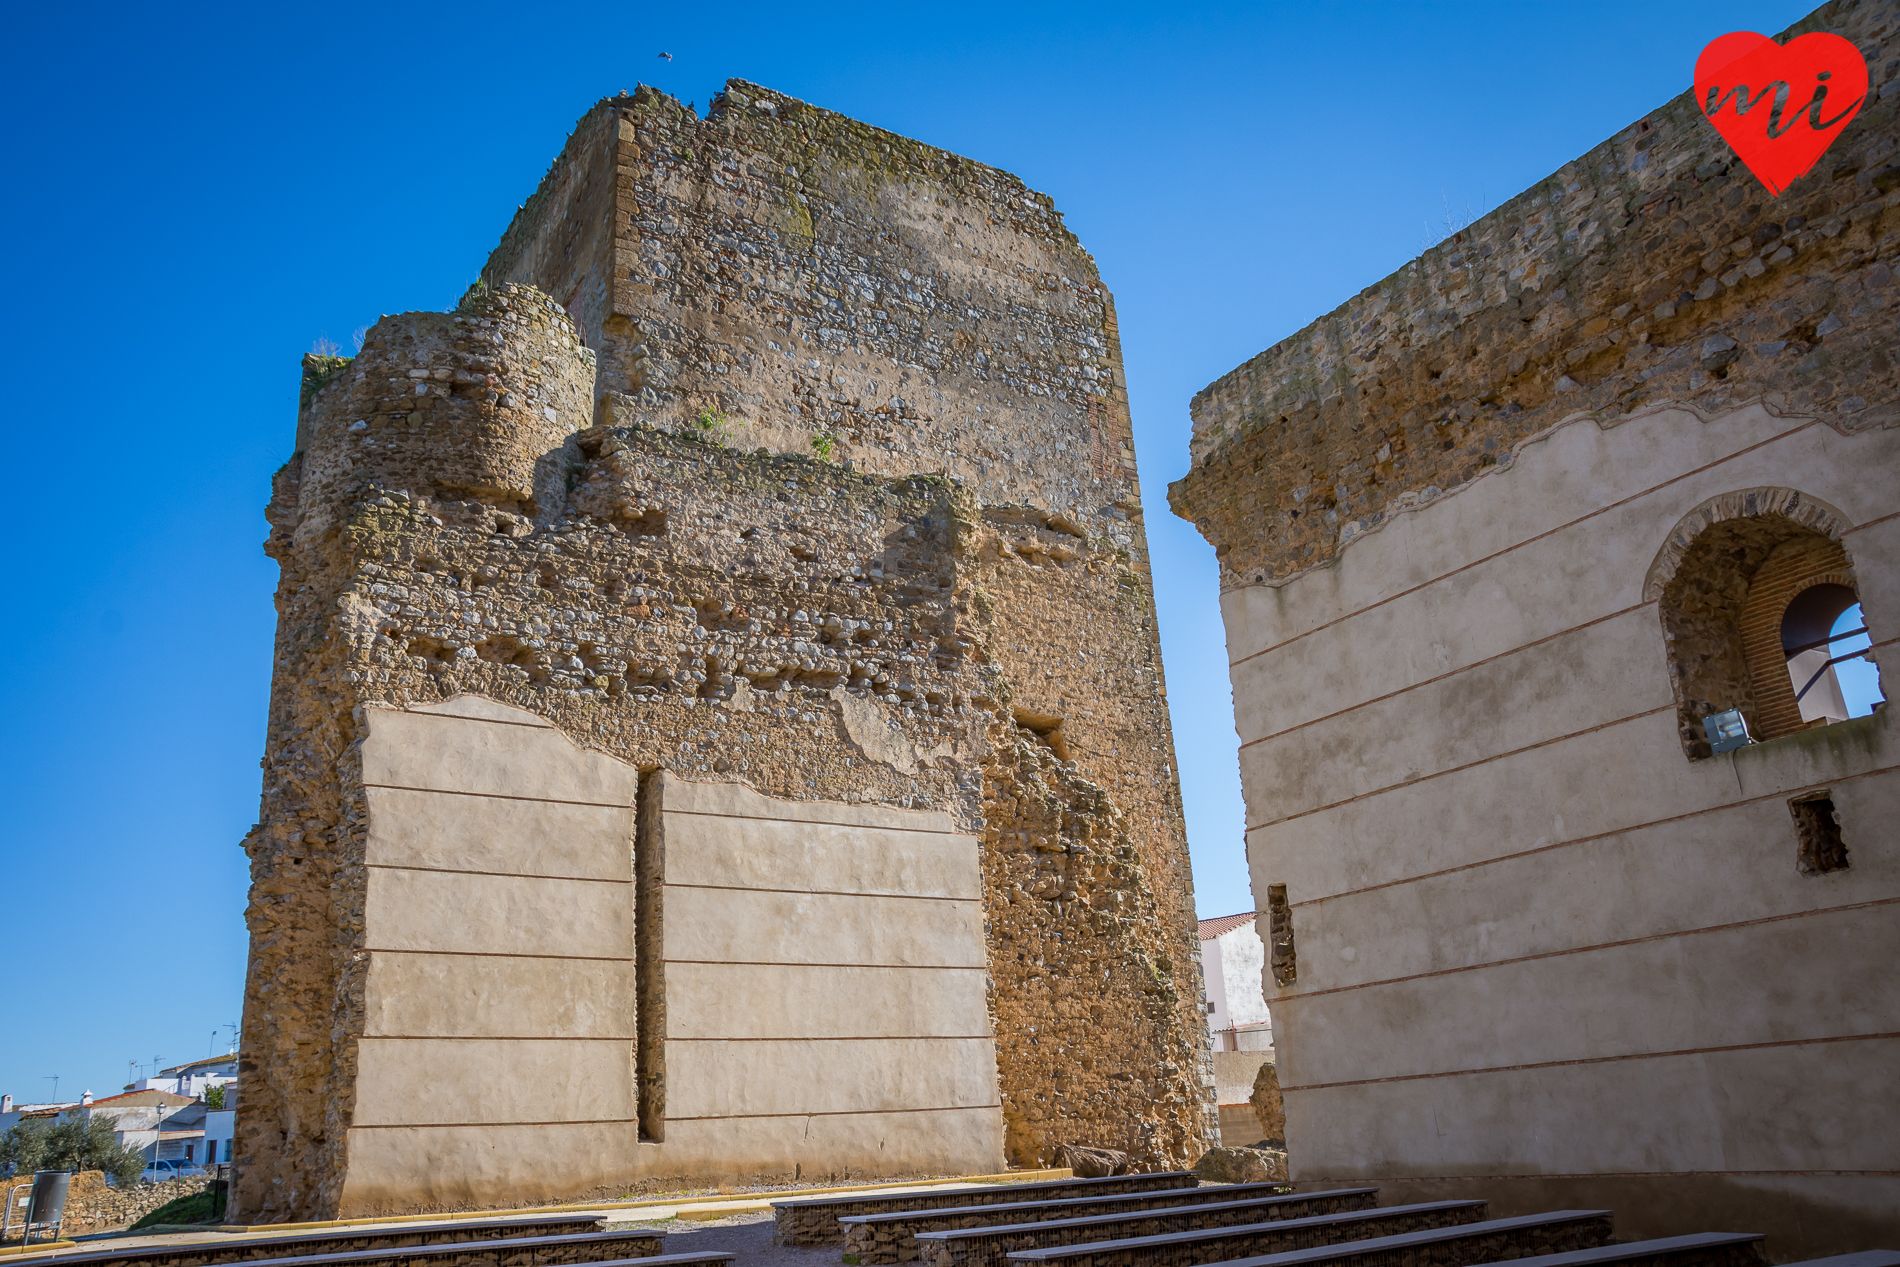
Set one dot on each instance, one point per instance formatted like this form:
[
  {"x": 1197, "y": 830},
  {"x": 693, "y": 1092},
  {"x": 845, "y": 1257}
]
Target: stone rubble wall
[
  {"x": 1457, "y": 1250},
  {"x": 93, "y": 1205},
  {"x": 894, "y": 1239},
  {"x": 1262, "y": 1235},
  {"x": 805, "y": 1224},
  {"x": 1654, "y": 268},
  {"x": 789, "y": 274},
  {"x": 677, "y": 603}
]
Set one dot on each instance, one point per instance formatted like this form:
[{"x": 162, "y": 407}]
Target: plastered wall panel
[
  {"x": 458, "y": 1167},
  {"x": 751, "y": 926},
  {"x": 764, "y": 854},
  {"x": 492, "y": 1080},
  {"x": 416, "y": 749},
  {"x": 1668, "y": 460},
  {"x": 1758, "y": 983},
  {"x": 479, "y": 996},
  {"x": 1729, "y": 866},
  {"x": 805, "y": 1076},
  {"x": 787, "y": 1001},
  {"x": 1527, "y": 698},
  {"x": 954, "y": 1141},
  {"x": 738, "y": 801},
  {"x": 502, "y": 834},
  {"x": 1710, "y": 1112},
  {"x": 504, "y": 915},
  {"x": 1614, "y": 779}
]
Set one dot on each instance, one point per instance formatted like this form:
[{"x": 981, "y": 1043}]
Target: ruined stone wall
[
  {"x": 451, "y": 524},
  {"x": 781, "y": 274},
  {"x": 1653, "y": 268}
]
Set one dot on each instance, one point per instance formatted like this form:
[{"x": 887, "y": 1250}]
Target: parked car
[{"x": 159, "y": 1171}]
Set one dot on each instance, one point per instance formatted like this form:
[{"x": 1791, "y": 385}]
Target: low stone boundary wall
[
  {"x": 892, "y": 1238},
  {"x": 245, "y": 1249},
  {"x": 1222, "y": 1231},
  {"x": 809, "y": 1223},
  {"x": 1460, "y": 1245},
  {"x": 93, "y": 1205}
]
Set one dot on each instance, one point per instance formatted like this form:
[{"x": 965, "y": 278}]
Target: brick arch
[
  {"x": 1795, "y": 566},
  {"x": 1722, "y": 581},
  {"x": 1743, "y": 503}
]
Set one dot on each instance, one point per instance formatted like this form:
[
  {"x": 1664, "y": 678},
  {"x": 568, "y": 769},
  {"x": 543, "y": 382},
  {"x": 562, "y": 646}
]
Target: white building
[
  {"x": 1232, "y": 961},
  {"x": 191, "y": 1078}
]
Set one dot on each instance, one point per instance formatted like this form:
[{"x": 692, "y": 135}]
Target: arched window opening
[{"x": 1753, "y": 588}]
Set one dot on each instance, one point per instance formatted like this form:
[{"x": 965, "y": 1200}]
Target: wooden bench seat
[
  {"x": 1458, "y": 1245},
  {"x": 892, "y": 1238},
  {"x": 814, "y": 1221},
  {"x": 1237, "y": 1227}
]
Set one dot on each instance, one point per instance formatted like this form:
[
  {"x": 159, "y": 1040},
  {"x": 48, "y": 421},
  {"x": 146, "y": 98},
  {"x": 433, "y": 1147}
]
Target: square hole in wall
[{"x": 1817, "y": 826}]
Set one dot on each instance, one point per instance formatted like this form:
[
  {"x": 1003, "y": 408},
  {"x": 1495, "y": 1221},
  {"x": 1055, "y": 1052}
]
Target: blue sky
[{"x": 195, "y": 194}]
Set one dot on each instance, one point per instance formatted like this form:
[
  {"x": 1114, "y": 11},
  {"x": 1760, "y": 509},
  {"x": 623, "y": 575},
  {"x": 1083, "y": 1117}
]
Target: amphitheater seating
[
  {"x": 1224, "y": 1229},
  {"x": 590, "y": 1248},
  {"x": 334, "y": 1240},
  {"x": 891, "y": 1238},
  {"x": 1276, "y": 1244},
  {"x": 1703, "y": 1249},
  {"x": 815, "y": 1222}
]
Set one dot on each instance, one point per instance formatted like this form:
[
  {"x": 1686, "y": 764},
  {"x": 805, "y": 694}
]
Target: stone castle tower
[{"x": 718, "y": 727}]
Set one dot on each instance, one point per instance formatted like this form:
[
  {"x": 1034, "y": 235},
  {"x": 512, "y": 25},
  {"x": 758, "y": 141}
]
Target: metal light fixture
[{"x": 1727, "y": 730}]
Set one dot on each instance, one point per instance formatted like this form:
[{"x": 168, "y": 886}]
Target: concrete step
[
  {"x": 590, "y": 1248},
  {"x": 1235, "y": 1228},
  {"x": 892, "y": 1238},
  {"x": 244, "y": 1248},
  {"x": 815, "y": 1221},
  {"x": 1866, "y": 1258},
  {"x": 1291, "y": 1245},
  {"x": 1702, "y": 1249}
]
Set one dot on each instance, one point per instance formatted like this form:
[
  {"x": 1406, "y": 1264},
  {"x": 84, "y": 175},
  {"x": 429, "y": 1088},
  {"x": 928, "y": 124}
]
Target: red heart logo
[{"x": 1779, "y": 106}]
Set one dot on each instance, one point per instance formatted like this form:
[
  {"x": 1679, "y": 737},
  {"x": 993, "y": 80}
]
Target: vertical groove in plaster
[{"x": 649, "y": 876}]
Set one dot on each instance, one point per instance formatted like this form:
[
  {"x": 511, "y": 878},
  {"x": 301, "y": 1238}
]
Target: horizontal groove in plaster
[
  {"x": 1439, "y": 774},
  {"x": 816, "y": 822},
  {"x": 1602, "y": 945},
  {"x": 1632, "y": 829},
  {"x": 1600, "y": 1060},
  {"x": 846, "y": 1038},
  {"x": 1518, "y": 545},
  {"x": 495, "y": 1038},
  {"x": 503, "y": 875},
  {"x": 485, "y": 1126},
  {"x": 1593, "y": 1174},
  {"x": 500, "y": 796},
  {"x": 780, "y": 963},
  {"x": 627, "y": 1121},
  {"x": 493, "y": 954},
  {"x": 1871, "y": 523},
  {"x": 1451, "y": 673},
  {"x": 732, "y": 1117},
  {"x": 746, "y": 888},
  {"x": 672, "y": 1038}
]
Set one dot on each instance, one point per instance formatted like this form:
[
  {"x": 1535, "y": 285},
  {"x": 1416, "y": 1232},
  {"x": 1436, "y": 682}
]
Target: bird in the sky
[{"x": 666, "y": 57}]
